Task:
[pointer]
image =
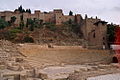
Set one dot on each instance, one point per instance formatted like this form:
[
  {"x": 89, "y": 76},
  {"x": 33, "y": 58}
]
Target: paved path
[{"x": 106, "y": 77}]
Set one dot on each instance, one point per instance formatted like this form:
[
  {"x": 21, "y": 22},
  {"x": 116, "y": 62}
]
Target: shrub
[
  {"x": 15, "y": 30},
  {"x": 8, "y": 35},
  {"x": 28, "y": 39},
  {"x": 3, "y": 24},
  {"x": 50, "y": 26}
]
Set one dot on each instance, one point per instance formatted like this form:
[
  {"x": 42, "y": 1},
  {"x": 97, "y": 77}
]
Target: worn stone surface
[
  {"x": 106, "y": 77},
  {"x": 94, "y": 72}
]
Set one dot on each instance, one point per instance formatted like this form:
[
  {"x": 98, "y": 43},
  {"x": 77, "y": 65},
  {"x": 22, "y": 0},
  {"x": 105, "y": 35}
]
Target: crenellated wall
[{"x": 55, "y": 16}]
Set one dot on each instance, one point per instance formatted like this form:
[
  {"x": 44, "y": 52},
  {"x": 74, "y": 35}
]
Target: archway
[{"x": 115, "y": 60}]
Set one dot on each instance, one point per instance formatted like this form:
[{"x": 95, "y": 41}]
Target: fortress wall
[
  {"x": 41, "y": 16},
  {"x": 55, "y": 16},
  {"x": 67, "y": 18},
  {"x": 26, "y": 16},
  {"x": 17, "y": 19},
  {"x": 8, "y": 15},
  {"x": 90, "y": 25},
  {"x": 58, "y": 18},
  {"x": 48, "y": 17},
  {"x": 98, "y": 37}
]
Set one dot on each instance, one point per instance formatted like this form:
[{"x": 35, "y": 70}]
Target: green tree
[
  {"x": 15, "y": 10},
  {"x": 21, "y": 25},
  {"x": 20, "y": 9},
  {"x": 111, "y": 33},
  {"x": 29, "y": 10},
  {"x": 35, "y": 23},
  {"x": 86, "y": 16},
  {"x": 21, "y": 22},
  {"x": 13, "y": 19},
  {"x": 11, "y": 22},
  {"x": 23, "y": 10},
  {"x": 28, "y": 39},
  {"x": 21, "y": 17},
  {"x": 70, "y": 13},
  {"x": 41, "y": 21},
  {"x": 30, "y": 24},
  {"x": 3, "y": 24},
  {"x": 71, "y": 25}
]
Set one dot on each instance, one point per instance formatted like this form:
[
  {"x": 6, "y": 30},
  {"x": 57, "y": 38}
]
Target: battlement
[
  {"x": 58, "y": 11},
  {"x": 56, "y": 16}
]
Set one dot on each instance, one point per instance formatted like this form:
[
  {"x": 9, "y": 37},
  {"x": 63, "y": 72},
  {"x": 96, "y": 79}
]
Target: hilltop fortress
[
  {"x": 56, "y": 16},
  {"x": 94, "y": 30}
]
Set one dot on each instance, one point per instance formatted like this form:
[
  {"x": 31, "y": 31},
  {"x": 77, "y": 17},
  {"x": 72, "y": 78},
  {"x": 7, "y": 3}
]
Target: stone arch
[{"x": 115, "y": 60}]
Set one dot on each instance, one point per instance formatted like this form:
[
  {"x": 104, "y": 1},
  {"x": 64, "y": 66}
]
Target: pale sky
[{"x": 108, "y": 10}]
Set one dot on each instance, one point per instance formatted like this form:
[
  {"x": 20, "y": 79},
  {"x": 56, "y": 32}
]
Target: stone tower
[{"x": 94, "y": 32}]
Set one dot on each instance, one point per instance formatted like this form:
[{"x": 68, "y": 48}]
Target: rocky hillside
[
  {"x": 57, "y": 37},
  {"x": 68, "y": 33}
]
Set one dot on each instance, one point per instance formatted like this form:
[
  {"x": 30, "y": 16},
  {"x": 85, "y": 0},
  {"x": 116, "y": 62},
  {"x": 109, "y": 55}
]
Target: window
[
  {"x": 103, "y": 38},
  {"x": 3, "y": 17},
  {"x": 94, "y": 35}
]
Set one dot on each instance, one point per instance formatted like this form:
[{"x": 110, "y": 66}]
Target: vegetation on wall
[
  {"x": 32, "y": 24},
  {"x": 12, "y": 21},
  {"x": 72, "y": 26}
]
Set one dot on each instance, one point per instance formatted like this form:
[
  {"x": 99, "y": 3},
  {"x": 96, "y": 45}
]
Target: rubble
[
  {"x": 12, "y": 63},
  {"x": 8, "y": 51},
  {"x": 35, "y": 63},
  {"x": 97, "y": 70}
]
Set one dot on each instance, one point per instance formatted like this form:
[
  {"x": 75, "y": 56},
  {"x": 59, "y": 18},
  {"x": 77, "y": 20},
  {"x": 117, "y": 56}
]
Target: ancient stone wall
[
  {"x": 8, "y": 51},
  {"x": 67, "y": 18},
  {"x": 55, "y": 16},
  {"x": 94, "y": 31}
]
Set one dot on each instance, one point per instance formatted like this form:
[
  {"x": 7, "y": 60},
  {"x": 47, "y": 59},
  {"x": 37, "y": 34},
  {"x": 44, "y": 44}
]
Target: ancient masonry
[
  {"x": 94, "y": 30},
  {"x": 8, "y": 51},
  {"x": 55, "y": 16}
]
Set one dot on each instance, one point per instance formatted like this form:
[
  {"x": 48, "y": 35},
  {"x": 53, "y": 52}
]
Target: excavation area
[
  {"x": 42, "y": 55},
  {"x": 68, "y": 62}
]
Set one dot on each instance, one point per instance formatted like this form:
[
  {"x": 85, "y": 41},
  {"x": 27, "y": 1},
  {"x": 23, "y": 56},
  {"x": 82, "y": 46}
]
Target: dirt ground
[
  {"x": 72, "y": 62},
  {"x": 41, "y": 56}
]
